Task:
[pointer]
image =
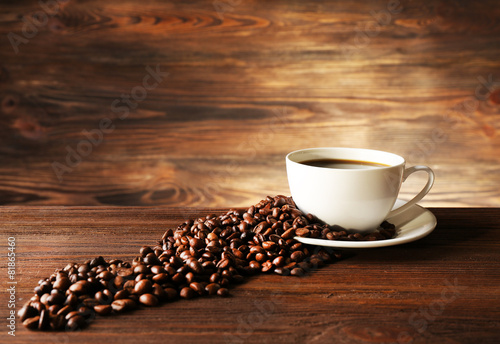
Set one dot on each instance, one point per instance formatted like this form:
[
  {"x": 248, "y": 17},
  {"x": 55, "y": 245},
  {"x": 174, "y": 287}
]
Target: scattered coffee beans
[{"x": 200, "y": 257}]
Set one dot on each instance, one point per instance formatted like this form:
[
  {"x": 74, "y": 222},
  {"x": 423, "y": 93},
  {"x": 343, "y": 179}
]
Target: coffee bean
[
  {"x": 282, "y": 271},
  {"x": 224, "y": 263},
  {"x": 197, "y": 287},
  {"x": 122, "y": 294},
  {"x": 302, "y": 232},
  {"x": 44, "y": 321},
  {"x": 145, "y": 250},
  {"x": 297, "y": 272},
  {"x": 187, "y": 293},
  {"x": 27, "y": 311},
  {"x": 76, "y": 323},
  {"x": 266, "y": 266},
  {"x": 212, "y": 288},
  {"x": 214, "y": 278},
  {"x": 103, "y": 309},
  {"x": 269, "y": 245},
  {"x": 279, "y": 261},
  {"x": 32, "y": 323},
  {"x": 57, "y": 323},
  {"x": 172, "y": 293},
  {"x": 159, "y": 292},
  {"x": 143, "y": 286},
  {"x": 38, "y": 306},
  {"x": 148, "y": 300},
  {"x": 297, "y": 256},
  {"x": 123, "y": 305},
  {"x": 104, "y": 297},
  {"x": 224, "y": 292},
  {"x": 71, "y": 314},
  {"x": 62, "y": 283},
  {"x": 80, "y": 287}
]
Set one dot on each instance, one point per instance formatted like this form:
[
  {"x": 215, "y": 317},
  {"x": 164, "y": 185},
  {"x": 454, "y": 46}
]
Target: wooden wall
[{"x": 89, "y": 115}]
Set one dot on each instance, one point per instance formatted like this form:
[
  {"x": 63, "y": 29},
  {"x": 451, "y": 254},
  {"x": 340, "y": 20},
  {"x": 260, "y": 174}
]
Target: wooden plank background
[{"x": 248, "y": 81}]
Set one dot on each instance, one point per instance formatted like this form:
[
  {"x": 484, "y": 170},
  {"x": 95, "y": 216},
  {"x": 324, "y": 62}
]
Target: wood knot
[
  {"x": 9, "y": 103},
  {"x": 29, "y": 128}
]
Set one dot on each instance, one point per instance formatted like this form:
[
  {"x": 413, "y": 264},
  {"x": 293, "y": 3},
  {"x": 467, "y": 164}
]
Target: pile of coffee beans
[{"x": 201, "y": 257}]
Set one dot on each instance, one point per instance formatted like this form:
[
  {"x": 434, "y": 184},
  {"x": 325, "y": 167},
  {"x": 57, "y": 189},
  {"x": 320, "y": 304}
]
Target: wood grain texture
[
  {"x": 440, "y": 289},
  {"x": 248, "y": 82}
]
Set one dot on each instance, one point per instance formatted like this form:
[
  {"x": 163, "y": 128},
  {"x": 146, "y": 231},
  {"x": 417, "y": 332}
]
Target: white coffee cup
[{"x": 357, "y": 198}]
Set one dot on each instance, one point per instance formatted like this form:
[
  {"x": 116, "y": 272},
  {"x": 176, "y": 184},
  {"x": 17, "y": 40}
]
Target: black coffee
[{"x": 343, "y": 164}]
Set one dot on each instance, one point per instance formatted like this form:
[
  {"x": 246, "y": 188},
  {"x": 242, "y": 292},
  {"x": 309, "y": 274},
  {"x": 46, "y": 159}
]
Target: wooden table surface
[{"x": 444, "y": 288}]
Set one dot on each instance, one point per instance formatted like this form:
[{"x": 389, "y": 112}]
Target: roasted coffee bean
[
  {"x": 195, "y": 266},
  {"x": 27, "y": 311},
  {"x": 80, "y": 287},
  {"x": 38, "y": 306},
  {"x": 214, "y": 278},
  {"x": 62, "y": 283},
  {"x": 72, "y": 314},
  {"x": 282, "y": 271},
  {"x": 224, "y": 292},
  {"x": 148, "y": 300},
  {"x": 279, "y": 261},
  {"x": 122, "y": 294},
  {"x": 105, "y": 275},
  {"x": 44, "y": 321},
  {"x": 123, "y": 305},
  {"x": 32, "y": 323},
  {"x": 302, "y": 232},
  {"x": 266, "y": 266},
  {"x": 103, "y": 309},
  {"x": 187, "y": 293},
  {"x": 57, "y": 298},
  {"x": 159, "y": 292},
  {"x": 57, "y": 323},
  {"x": 178, "y": 278},
  {"x": 145, "y": 250},
  {"x": 260, "y": 257},
  {"x": 297, "y": 256},
  {"x": 90, "y": 302},
  {"x": 76, "y": 323},
  {"x": 104, "y": 297},
  {"x": 269, "y": 245},
  {"x": 297, "y": 272},
  {"x": 197, "y": 287},
  {"x": 172, "y": 293},
  {"x": 254, "y": 265},
  {"x": 212, "y": 288},
  {"x": 65, "y": 310},
  {"x": 161, "y": 278},
  {"x": 143, "y": 286}
]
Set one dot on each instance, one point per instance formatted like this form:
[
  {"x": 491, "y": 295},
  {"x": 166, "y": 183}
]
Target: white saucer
[{"x": 411, "y": 225}]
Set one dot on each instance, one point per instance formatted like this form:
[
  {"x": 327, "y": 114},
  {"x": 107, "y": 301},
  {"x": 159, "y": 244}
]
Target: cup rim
[{"x": 401, "y": 162}]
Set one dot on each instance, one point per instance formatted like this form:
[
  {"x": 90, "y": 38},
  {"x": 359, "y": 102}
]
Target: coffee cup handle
[{"x": 421, "y": 194}]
